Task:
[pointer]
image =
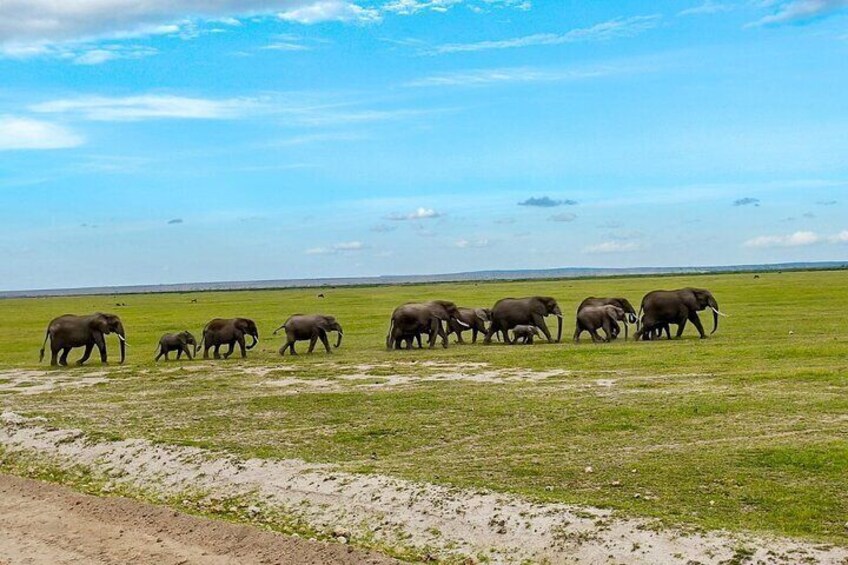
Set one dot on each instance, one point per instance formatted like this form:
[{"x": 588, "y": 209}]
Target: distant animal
[
  {"x": 593, "y": 318},
  {"x": 665, "y": 307},
  {"x": 178, "y": 342},
  {"x": 525, "y": 334},
  {"x": 70, "y": 331},
  {"x": 475, "y": 320},
  {"x": 194, "y": 300},
  {"x": 413, "y": 319},
  {"x": 510, "y": 312},
  {"x": 321, "y": 295},
  {"x": 300, "y": 327},
  {"x": 230, "y": 332},
  {"x": 622, "y": 303},
  {"x": 756, "y": 276}
]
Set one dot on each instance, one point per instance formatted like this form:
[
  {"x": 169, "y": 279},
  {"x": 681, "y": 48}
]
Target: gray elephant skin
[
  {"x": 230, "y": 331},
  {"x": 301, "y": 327},
  {"x": 622, "y": 303},
  {"x": 475, "y": 320},
  {"x": 661, "y": 308},
  {"x": 412, "y": 319},
  {"x": 593, "y": 318},
  {"x": 525, "y": 334},
  {"x": 70, "y": 331},
  {"x": 510, "y": 312},
  {"x": 178, "y": 342}
]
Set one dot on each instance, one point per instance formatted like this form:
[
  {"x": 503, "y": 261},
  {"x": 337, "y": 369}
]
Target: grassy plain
[{"x": 746, "y": 430}]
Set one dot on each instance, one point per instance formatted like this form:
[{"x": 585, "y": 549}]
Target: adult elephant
[
  {"x": 622, "y": 303},
  {"x": 661, "y": 308},
  {"x": 70, "y": 331},
  {"x": 230, "y": 332},
  {"x": 510, "y": 312},
  {"x": 475, "y": 319},
  {"x": 414, "y": 319},
  {"x": 300, "y": 327}
]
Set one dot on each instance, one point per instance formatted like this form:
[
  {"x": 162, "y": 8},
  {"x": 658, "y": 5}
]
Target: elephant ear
[{"x": 100, "y": 324}]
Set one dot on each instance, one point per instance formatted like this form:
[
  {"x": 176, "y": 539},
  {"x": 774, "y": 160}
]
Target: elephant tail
[{"x": 43, "y": 345}]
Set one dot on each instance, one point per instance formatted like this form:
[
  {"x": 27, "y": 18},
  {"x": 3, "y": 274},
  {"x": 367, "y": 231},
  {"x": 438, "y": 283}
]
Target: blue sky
[{"x": 144, "y": 143}]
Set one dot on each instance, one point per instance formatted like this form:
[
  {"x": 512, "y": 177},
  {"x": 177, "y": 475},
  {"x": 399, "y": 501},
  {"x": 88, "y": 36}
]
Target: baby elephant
[
  {"x": 525, "y": 334},
  {"x": 301, "y": 327},
  {"x": 177, "y": 342},
  {"x": 593, "y": 318}
]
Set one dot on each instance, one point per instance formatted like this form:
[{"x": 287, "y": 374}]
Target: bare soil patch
[{"x": 43, "y": 523}]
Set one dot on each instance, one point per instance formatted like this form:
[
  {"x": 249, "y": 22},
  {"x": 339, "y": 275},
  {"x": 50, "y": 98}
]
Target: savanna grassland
[{"x": 747, "y": 430}]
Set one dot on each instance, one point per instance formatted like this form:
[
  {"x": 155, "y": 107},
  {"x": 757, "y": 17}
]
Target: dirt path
[{"x": 45, "y": 523}]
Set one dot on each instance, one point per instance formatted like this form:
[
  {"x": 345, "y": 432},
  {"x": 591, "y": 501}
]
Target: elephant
[
  {"x": 221, "y": 331},
  {"x": 301, "y": 327},
  {"x": 176, "y": 342},
  {"x": 661, "y": 308},
  {"x": 622, "y": 303},
  {"x": 510, "y": 312},
  {"x": 413, "y": 319},
  {"x": 475, "y": 318},
  {"x": 69, "y": 331},
  {"x": 525, "y": 334},
  {"x": 592, "y": 318}
]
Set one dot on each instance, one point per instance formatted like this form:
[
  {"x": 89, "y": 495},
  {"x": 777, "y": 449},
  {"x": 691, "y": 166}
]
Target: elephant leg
[
  {"x": 312, "y": 341},
  {"x": 187, "y": 352},
  {"x": 667, "y": 329},
  {"x": 493, "y": 329},
  {"x": 578, "y": 331},
  {"x": 158, "y": 355},
  {"x": 179, "y": 353},
  {"x": 506, "y": 338},
  {"x": 696, "y": 321},
  {"x": 206, "y": 351},
  {"x": 459, "y": 337},
  {"x": 323, "y": 337},
  {"x": 100, "y": 342},
  {"x": 474, "y": 332},
  {"x": 539, "y": 322},
  {"x": 63, "y": 359},
  {"x": 595, "y": 336},
  {"x": 680, "y": 327},
  {"x": 242, "y": 347},
  {"x": 54, "y": 354},
  {"x": 86, "y": 354},
  {"x": 217, "y": 353},
  {"x": 291, "y": 348}
]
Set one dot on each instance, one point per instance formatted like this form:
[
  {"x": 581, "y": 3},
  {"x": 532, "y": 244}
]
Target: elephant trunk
[
  {"x": 339, "y": 340},
  {"x": 714, "y": 307},
  {"x": 625, "y": 331},
  {"x": 255, "y": 337},
  {"x": 122, "y": 337}
]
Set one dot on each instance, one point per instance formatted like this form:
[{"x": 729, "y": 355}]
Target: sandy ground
[
  {"x": 49, "y": 524},
  {"x": 433, "y": 519}
]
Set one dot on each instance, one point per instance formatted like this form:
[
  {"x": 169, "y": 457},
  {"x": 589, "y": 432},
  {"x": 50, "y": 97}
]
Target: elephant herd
[{"x": 512, "y": 320}]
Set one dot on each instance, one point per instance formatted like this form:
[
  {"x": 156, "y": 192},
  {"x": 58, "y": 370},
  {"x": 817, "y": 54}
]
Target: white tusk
[
  {"x": 720, "y": 313},
  {"x": 461, "y": 323}
]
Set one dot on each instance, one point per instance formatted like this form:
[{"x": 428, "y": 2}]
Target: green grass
[{"x": 746, "y": 430}]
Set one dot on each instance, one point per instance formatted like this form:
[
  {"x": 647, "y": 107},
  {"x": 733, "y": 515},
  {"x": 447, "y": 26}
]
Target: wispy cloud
[
  {"x": 145, "y": 107},
  {"x": 18, "y": 133},
  {"x": 827, "y": 203},
  {"x": 613, "y": 247},
  {"x": 706, "y": 8},
  {"x": 796, "y": 11},
  {"x": 546, "y": 202},
  {"x": 564, "y": 217},
  {"x": 318, "y": 11},
  {"x": 505, "y": 75},
  {"x": 605, "y": 31},
  {"x": 419, "y": 214},
  {"x": 344, "y": 247},
  {"x": 175, "y": 221}
]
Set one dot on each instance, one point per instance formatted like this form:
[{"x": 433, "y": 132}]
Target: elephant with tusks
[
  {"x": 70, "y": 331},
  {"x": 510, "y": 312},
  {"x": 662, "y": 308}
]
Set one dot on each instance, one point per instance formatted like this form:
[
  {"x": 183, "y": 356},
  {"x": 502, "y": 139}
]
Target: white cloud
[
  {"x": 612, "y": 29},
  {"x": 841, "y": 237},
  {"x": 800, "y": 10},
  {"x": 318, "y": 11},
  {"x": 475, "y": 243},
  {"x": 612, "y": 247},
  {"x": 411, "y": 7},
  {"x": 797, "y": 239},
  {"x": 344, "y": 247},
  {"x": 419, "y": 214},
  {"x": 145, "y": 107},
  {"x": 25, "y": 133}
]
